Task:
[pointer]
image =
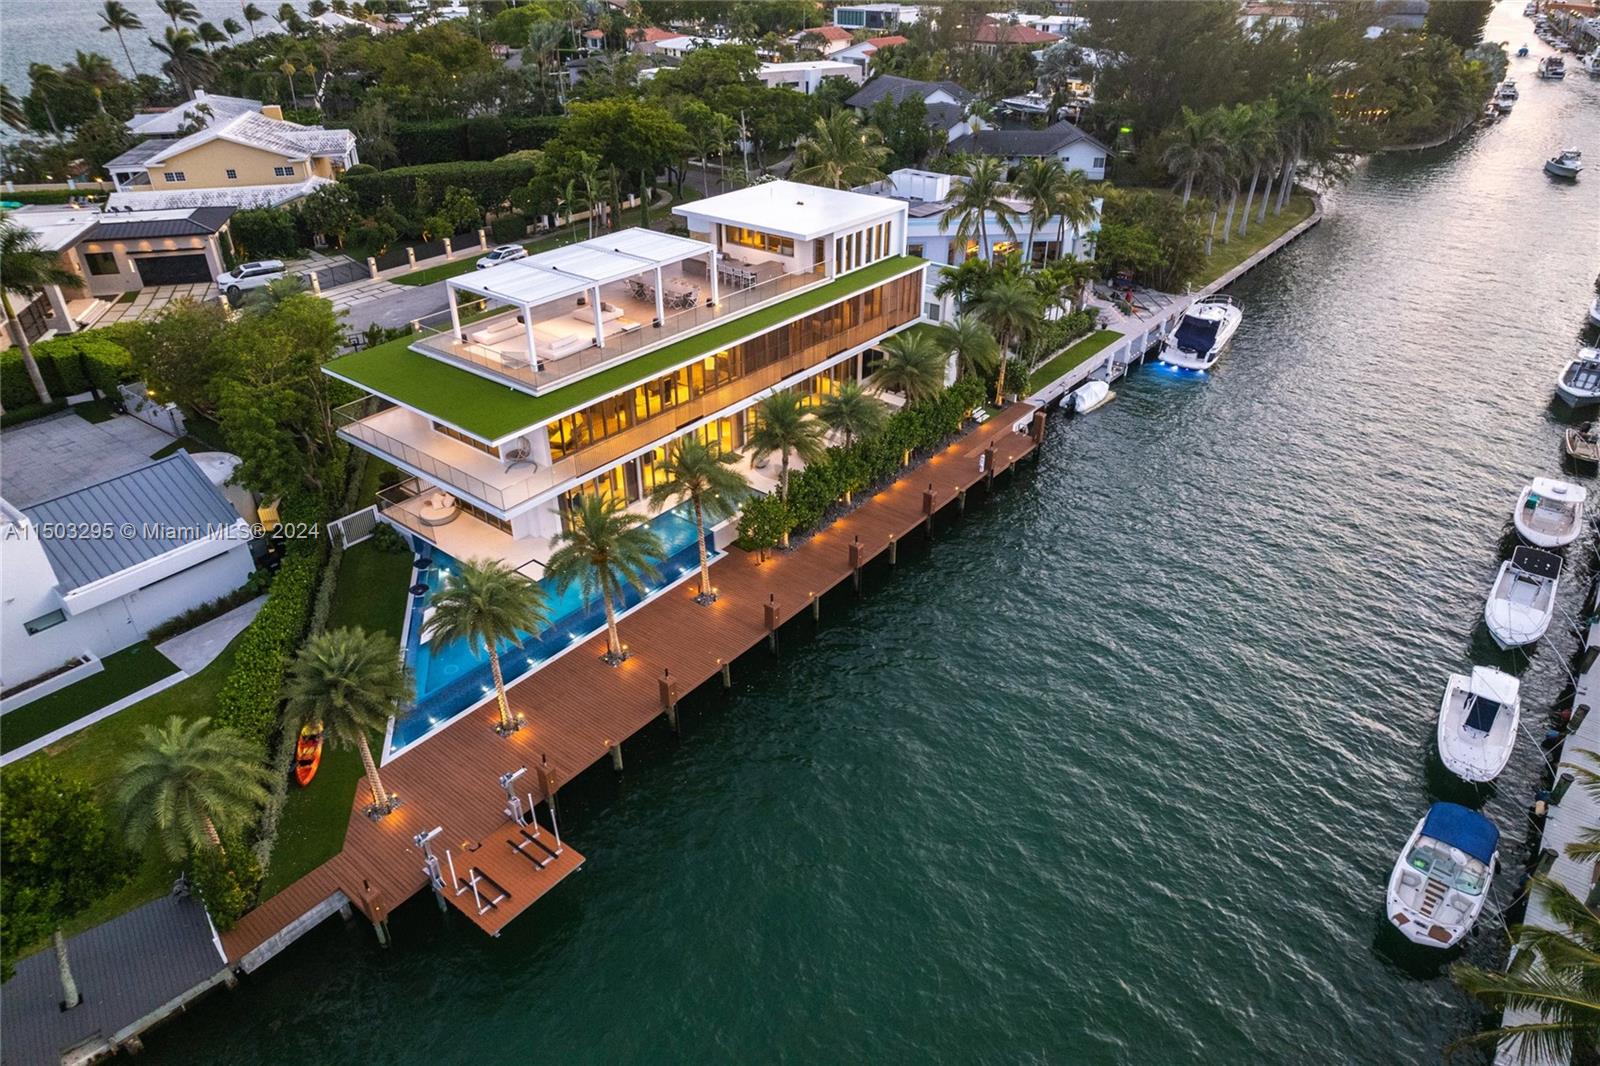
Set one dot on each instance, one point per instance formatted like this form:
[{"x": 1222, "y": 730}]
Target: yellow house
[{"x": 253, "y": 159}]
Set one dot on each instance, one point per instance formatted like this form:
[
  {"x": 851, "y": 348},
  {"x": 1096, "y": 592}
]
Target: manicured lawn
[
  {"x": 491, "y": 411},
  {"x": 1090, "y": 346},
  {"x": 1224, "y": 257},
  {"x": 371, "y": 593},
  {"x": 125, "y": 673},
  {"x": 94, "y": 410}
]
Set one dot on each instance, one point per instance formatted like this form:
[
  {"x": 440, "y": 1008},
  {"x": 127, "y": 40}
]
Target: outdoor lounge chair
[{"x": 518, "y": 452}]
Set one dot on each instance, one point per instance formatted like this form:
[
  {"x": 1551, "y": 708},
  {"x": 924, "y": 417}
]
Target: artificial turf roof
[{"x": 489, "y": 410}]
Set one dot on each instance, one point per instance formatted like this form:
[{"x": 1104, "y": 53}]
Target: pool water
[{"x": 454, "y": 677}]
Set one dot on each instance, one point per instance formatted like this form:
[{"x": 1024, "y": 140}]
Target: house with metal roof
[
  {"x": 90, "y": 572},
  {"x": 946, "y": 102},
  {"x": 203, "y": 109},
  {"x": 1076, "y": 149},
  {"x": 124, "y": 249}
]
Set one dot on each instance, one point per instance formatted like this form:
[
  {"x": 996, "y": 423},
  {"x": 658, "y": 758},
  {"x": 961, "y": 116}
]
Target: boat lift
[{"x": 525, "y": 814}]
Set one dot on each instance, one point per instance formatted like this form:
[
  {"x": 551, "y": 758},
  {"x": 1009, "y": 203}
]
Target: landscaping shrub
[
  {"x": 205, "y": 612},
  {"x": 265, "y": 233},
  {"x": 484, "y": 137},
  {"x": 69, "y": 364},
  {"x": 508, "y": 228},
  {"x": 52, "y": 196},
  {"x": 228, "y": 884},
  {"x": 387, "y": 539},
  {"x": 488, "y": 182},
  {"x": 16, "y": 416}
]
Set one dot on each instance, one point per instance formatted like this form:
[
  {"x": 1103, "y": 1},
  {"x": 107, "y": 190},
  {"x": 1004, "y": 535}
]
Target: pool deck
[{"x": 581, "y": 711}]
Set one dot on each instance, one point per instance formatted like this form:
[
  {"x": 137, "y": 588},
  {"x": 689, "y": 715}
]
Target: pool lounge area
[{"x": 450, "y": 680}]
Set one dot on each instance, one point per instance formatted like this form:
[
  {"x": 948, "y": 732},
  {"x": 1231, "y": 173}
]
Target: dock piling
[
  {"x": 772, "y": 622},
  {"x": 669, "y": 698},
  {"x": 616, "y": 755},
  {"x": 727, "y": 674},
  {"x": 927, "y": 509},
  {"x": 816, "y": 608},
  {"x": 855, "y": 562},
  {"x": 988, "y": 467},
  {"x": 894, "y": 550}
]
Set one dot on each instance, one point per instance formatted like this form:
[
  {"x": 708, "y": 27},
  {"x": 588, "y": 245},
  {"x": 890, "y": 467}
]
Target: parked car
[
  {"x": 503, "y": 254},
  {"x": 247, "y": 276}
]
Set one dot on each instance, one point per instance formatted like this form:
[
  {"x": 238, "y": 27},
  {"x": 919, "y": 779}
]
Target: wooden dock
[{"x": 578, "y": 710}]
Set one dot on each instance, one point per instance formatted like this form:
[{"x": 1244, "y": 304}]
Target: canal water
[{"x": 1116, "y": 770}]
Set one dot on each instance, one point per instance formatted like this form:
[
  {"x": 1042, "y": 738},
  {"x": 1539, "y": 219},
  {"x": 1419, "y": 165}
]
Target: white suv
[
  {"x": 247, "y": 276},
  {"x": 503, "y": 254}
]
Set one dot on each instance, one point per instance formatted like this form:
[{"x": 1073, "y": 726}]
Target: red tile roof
[
  {"x": 1009, "y": 33},
  {"x": 651, "y": 34},
  {"x": 828, "y": 33},
  {"x": 887, "y": 42}
]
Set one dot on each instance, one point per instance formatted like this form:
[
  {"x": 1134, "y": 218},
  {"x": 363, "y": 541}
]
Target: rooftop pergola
[{"x": 580, "y": 270}]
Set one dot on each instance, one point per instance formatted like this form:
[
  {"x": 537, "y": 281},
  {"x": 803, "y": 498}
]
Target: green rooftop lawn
[
  {"x": 125, "y": 673},
  {"x": 1090, "y": 346},
  {"x": 492, "y": 411}
]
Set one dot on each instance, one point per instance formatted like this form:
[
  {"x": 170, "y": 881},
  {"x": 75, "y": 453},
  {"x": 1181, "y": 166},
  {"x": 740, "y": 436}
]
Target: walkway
[
  {"x": 149, "y": 301},
  {"x": 450, "y": 781}
]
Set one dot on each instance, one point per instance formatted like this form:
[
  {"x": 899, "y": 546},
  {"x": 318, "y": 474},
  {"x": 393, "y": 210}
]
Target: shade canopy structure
[
  {"x": 1461, "y": 827},
  {"x": 579, "y": 270}
]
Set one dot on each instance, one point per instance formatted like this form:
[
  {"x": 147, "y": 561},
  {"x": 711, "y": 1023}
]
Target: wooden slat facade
[{"x": 577, "y": 707}]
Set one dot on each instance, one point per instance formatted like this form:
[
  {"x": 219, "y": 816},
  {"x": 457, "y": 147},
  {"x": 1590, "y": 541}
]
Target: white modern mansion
[{"x": 574, "y": 370}]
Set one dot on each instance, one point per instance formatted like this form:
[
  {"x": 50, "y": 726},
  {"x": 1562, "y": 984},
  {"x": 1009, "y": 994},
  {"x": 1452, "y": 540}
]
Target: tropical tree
[
  {"x": 852, "y": 411},
  {"x": 186, "y": 63},
  {"x": 1075, "y": 206},
  {"x": 486, "y": 604},
  {"x": 912, "y": 365},
  {"x": 981, "y": 193},
  {"x": 784, "y": 426},
  {"x": 46, "y": 82},
  {"x": 189, "y": 783},
  {"x": 1193, "y": 151},
  {"x": 209, "y": 35},
  {"x": 1306, "y": 129},
  {"x": 28, "y": 269},
  {"x": 1258, "y": 146},
  {"x": 1554, "y": 974},
  {"x": 252, "y": 15},
  {"x": 1040, "y": 182},
  {"x": 1010, "y": 307},
  {"x": 968, "y": 338},
  {"x": 710, "y": 483},
  {"x": 11, "y": 113},
  {"x": 605, "y": 548},
  {"x": 287, "y": 68},
  {"x": 115, "y": 18},
  {"x": 179, "y": 11},
  {"x": 840, "y": 153},
  {"x": 232, "y": 28},
  {"x": 350, "y": 681}
]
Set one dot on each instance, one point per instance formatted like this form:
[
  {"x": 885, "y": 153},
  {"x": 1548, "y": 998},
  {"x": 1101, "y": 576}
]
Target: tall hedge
[
  {"x": 490, "y": 183},
  {"x": 69, "y": 365},
  {"x": 485, "y": 137}
]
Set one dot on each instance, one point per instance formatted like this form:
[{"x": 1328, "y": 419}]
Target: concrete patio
[{"x": 44, "y": 459}]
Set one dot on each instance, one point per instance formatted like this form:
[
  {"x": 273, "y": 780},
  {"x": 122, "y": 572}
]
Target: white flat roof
[
  {"x": 571, "y": 269},
  {"x": 792, "y": 209},
  {"x": 55, "y": 227},
  {"x": 809, "y": 64}
]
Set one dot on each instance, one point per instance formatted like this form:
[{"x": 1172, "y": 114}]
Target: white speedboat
[
  {"x": 1590, "y": 64},
  {"x": 1523, "y": 598},
  {"x": 1505, "y": 98},
  {"x": 1579, "y": 383},
  {"x": 1569, "y": 164},
  {"x": 1089, "y": 395},
  {"x": 1478, "y": 723},
  {"x": 1594, "y": 312},
  {"x": 1552, "y": 67},
  {"x": 1549, "y": 513},
  {"x": 1202, "y": 334},
  {"x": 1441, "y": 880}
]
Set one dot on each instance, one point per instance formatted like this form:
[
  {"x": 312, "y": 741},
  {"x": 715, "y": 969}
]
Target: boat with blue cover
[
  {"x": 1203, "y": 334},
  {"x": 1478, "y": 723},
  {"x": 1441, "y": 880}
]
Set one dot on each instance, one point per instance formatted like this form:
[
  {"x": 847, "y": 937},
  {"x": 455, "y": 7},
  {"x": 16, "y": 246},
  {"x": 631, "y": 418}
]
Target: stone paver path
[
  {"x": 44, "y": 459},
  {"x": 150, "y": 300}
]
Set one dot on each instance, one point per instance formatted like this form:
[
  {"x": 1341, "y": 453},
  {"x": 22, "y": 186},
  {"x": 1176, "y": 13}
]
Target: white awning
[{"x": 575, "y": 268}]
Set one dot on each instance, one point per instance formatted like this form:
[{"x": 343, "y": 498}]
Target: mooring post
[
  {"x": 669, "y": 698},
  {"x": 927, "y": 509},
  {"x": 894, "y": 549},
  {"x": 548, "y": 781},
  {"x": 961, "y": 501},
  {"x": 772, "y": 622},
  {"x": 988, "y": 467},
  {"x": 816, "y": 608},
  {"x": 616, "y": 754},
  {"x": 727, "y": 673},
  {"x": 1036, "y": 431},
  {"x": 1563, "y": 783},
  {"x": 378, "y": 910},
  {"x": 855, "y": 562},
  {"x": 346, "y": 911}
]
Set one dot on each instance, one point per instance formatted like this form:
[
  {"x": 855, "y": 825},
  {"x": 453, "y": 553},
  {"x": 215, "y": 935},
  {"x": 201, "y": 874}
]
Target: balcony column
[
  {"x": 599, "y": 321},
  {"x": 456, "y": 336},
  {"x": 661, "y": 307},
  {"x": 716, "y": 295},
  {"x": 527, "y": 329}
]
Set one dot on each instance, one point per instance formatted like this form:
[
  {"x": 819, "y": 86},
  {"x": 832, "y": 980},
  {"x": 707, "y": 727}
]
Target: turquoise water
[
  {"x": 1115, "y": 770},
  {"x": 453, "y": 677}
]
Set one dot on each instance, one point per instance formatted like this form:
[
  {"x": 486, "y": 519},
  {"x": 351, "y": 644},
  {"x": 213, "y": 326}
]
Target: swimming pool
[{"x": 452, "y": 678}]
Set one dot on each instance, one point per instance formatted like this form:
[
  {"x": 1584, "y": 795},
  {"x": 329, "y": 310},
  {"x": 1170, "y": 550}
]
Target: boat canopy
[
  {"x": 1564, "y": 491},
  {"x": 1536, "y": 562},
  {"x": 1460, "y": 827},
  {"x": 1196, "y": 334}
]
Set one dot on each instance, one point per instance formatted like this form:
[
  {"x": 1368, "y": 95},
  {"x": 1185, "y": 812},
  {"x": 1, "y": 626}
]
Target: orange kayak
[{"x": 308, "y": 753}]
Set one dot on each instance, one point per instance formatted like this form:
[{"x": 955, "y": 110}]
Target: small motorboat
[
  {"x": 308, "y": 753},
  {"x": 1549, "y": 513},
  {"x": 1552, "y": 67},
  {"x": 1522, "y": 52},
  {"x": 1594, "y": 312},
  {"x": 1582, "y": 445},
  {"x": 1478, "y": 723},
  {"x": 1505, "y": 98},
  {"x": 1090, "y": 395},
  {"x": 1203, "y": 334},
  {"x": 1441, "y": 880},
  {"x": 1579, "y": 383},
  {"x": 1569, "y": 164},
  {"x": 1590, "y": 63},
  {"x": 1523, "y": 598}
]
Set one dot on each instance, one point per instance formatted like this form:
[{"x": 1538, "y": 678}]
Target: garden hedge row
[
  {"x": 51, "y": 196},
  {"x": 763, "y": 520},
  {"x": 69, "y": 365},
  {"x": 485, "y": 137},
  {"x": 490, "y": 183}
]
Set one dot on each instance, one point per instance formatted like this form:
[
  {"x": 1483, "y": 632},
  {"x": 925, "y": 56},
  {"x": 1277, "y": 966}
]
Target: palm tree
[
  {"x": 1075, "y": 206},
  {"x": 288, "y": 69},
  {"x": 350, "y": 681},
  {"x": 1258, "y": 146},
  {"x": 1306, "y": 127},
  {"x": 209, "y": 35},
  {"x": 11, "y": 112},
  {"x": 1040, "y": 182},
  {"x": 252, "y": 15},
  {"x": 179, "y": 11},
  {"x": 840, "y": 153},
  {"x": 604, "y": 548},
  {"x": 712, "y": 486},
  {"x": 783, "y": 425},
  {"x": 968, "y": 338},
  {"x": 912, "y": 365},
  {"x": 487, "y": 603},
  {"x": 232, "y": 28},
  {"x": 186, "y": 63},
  {"x": 91, "y": 68},
  {"x": 1192, "y": 150},
  {"x": 116, "y": 18},
  {"x": 1554, "y": 974},
  {"x": 28, "y": 269},
  {"x": 979, "y": 195},
  {"x": 851, "y": 411},
  {"x": 1010, "y": 307},
  {"x": 189, "y": 784},
  {"x": 46, "y": 81}
]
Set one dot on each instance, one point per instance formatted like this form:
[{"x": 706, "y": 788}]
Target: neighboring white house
[
  {"x": 93, "y": 570},
  {"x": 682, "y": 45},
  {"x": 826, "y": 39},
  {"x": 806, "y": 77},
  {"x": 205, "y": 109},
  {"x": 946, "y": 102},
  {"x": 1076, "y": 149},
  {"x": 862, "y": 52},
  {"x": 889, "y": 17}
]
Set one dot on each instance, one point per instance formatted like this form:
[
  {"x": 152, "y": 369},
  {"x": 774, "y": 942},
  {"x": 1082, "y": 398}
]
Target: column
[
  {"x": 455, "y": 315},
  {"x": 716, "y": 295},
  {"x": 661, "y": 309},
  {"x": 58, "y": 304},
  {"x": 599, "y": 321},
  {"x": 527, "y": 329}
]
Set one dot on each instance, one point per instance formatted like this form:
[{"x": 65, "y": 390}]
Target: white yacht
[
  {"x": 1579, "y": 383},
  {"x": 1523, "y": 599},
  {"x": 1549, "y": 513},
  {"x": 1441, "y": 880},
  {"x": 1202, "y": 334},
  {"x": 1505, "y": 98},
  {"x": 1478, "y": 723},
  {"x": 1090, "y": 395},
  {"x": 1568, "y": 164},
  {"x": 1552, "y": 67}
]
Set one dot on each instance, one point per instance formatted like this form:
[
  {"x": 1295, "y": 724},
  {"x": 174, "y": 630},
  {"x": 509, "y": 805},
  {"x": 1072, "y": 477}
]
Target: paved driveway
[
  {"x": 44, "y": 459},
  {"x": 150, "y": 300}
]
